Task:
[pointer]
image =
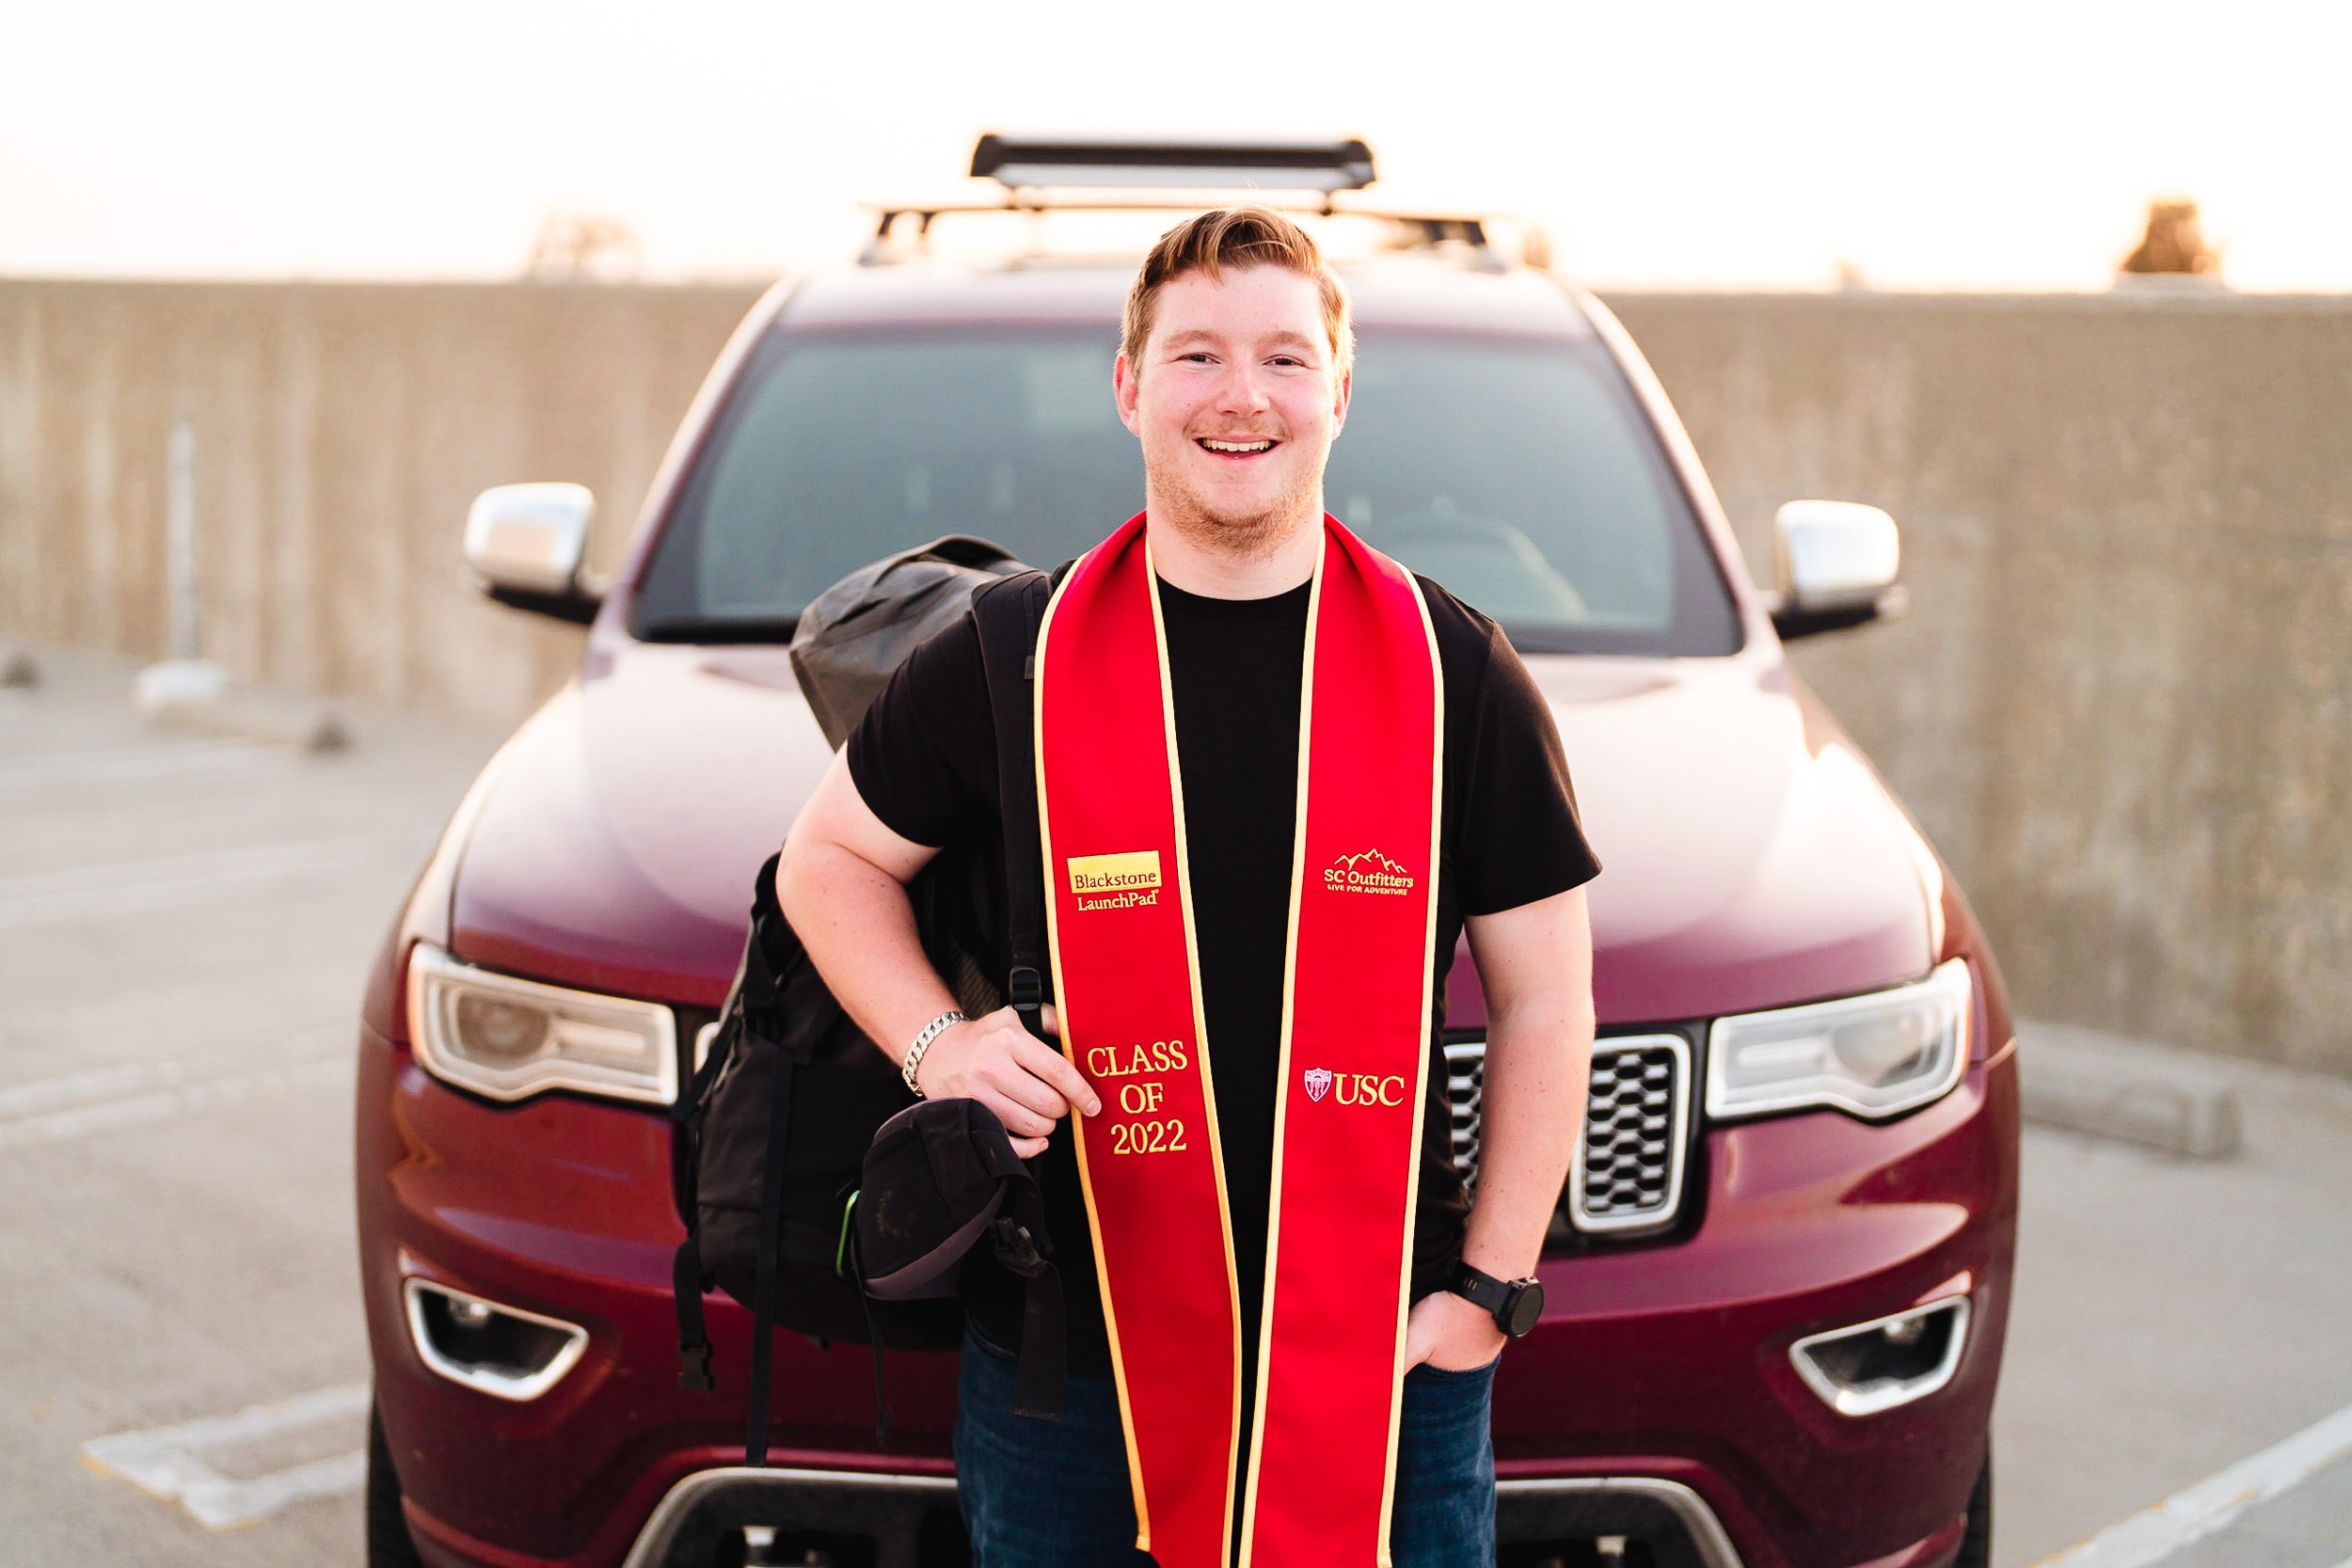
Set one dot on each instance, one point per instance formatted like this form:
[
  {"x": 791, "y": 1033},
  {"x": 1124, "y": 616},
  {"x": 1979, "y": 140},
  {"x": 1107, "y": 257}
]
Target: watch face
[{"x": 1526, "y": 1306}]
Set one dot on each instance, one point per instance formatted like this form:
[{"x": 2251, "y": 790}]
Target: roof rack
[
  {"x": 1029, "y": 168},
  {"x": 1309, "y": 165}
]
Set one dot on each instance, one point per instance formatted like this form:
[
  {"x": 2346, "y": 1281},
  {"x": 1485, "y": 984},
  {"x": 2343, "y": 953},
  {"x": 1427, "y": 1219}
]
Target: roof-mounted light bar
[{"x": 1304, "y": 166}]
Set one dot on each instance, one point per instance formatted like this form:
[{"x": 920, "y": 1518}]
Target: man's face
[{"x": 1235, "y": 401}]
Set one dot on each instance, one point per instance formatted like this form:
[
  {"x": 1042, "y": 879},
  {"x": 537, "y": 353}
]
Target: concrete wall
[
  {"x": 342, "y": 430},
  {"x": 2119, "y": 705}
]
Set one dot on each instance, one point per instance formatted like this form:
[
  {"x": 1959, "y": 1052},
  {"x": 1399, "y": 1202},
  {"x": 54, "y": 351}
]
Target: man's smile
[{"x": 1237, "y": 447}]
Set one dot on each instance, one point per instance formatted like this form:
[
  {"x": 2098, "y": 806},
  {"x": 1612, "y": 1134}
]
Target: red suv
[{"x": 1779, "y": 1274}]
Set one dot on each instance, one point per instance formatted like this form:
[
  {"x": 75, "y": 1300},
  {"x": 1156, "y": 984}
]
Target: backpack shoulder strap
[
  {"x": 754, "y": 1002},
  {"x": 1009, "y": 614}
]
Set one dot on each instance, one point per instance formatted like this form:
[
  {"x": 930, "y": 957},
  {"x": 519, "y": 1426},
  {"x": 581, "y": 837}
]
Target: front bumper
[
  {"x": 895, "y": 1518},
  {"x": 1657, "y": 1397},
  {"x": 1674, "y": 1361},
  {"x": 711, "y": 1506}
]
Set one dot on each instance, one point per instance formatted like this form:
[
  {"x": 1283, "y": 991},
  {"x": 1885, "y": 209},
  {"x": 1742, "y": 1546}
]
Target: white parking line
[
  {"x": 2187, "y": 1516},
  {"x": 138, "y": 887},
  {"x": 46, "y": 1094},
  {"x": 135, "y": 763},
  {"x": 52, "y": 1109},
  {"x": 174, "y": 1463}
]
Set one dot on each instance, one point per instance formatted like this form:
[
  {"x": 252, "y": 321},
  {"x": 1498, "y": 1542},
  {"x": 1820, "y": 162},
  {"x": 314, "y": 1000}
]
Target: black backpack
[{"x": 776, "y": 1123}]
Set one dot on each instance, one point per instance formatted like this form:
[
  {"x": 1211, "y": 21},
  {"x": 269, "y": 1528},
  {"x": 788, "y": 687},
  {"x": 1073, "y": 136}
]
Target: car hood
[
  {"x": 617, "y": 848},
  {"x": 1752, "y": 858}
]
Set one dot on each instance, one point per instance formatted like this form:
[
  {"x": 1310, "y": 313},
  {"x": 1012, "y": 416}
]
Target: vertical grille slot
[
  {"x": 1465, "y": 1082},
  {"x": 1628, "y": 1171}
]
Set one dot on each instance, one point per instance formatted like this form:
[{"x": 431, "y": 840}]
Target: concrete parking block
[
  {"x": 2085, "y": 1081},
  {"x": 193, "y": 695}
]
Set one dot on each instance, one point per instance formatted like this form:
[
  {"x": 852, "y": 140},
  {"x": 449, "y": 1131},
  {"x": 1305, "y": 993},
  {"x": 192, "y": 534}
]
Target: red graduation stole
[{"x": 1354, "y": 1057}]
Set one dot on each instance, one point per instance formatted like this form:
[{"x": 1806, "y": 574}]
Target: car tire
[
  {"x": 1976, "y": 1548},
  {"x": 389, "y": 1542}
]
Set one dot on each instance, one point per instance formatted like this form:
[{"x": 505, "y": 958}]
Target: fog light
[
  {"x": 1886, "y": 1362},
  {"x": 501, "y": 1351}
]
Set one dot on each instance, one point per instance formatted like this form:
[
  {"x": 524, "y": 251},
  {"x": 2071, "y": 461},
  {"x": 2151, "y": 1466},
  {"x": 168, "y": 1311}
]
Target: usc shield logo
[{"x": 1318, "y": 1082}]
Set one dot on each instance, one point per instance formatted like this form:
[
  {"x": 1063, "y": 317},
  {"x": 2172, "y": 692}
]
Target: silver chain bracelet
[{"x": 931, "y": 1031}]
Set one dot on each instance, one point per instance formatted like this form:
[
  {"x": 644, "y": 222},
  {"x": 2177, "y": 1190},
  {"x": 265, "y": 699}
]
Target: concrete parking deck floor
[
  {"x": 2173, "y": 1318},
  {"x": 184, "y": 921}
]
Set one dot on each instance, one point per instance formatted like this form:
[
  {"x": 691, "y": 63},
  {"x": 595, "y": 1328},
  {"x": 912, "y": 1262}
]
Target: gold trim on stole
[
  {"x": 1200, "y": 1015},
  {"x": 1283, "y": 1062},
  {"x": 1061, "y": 1008},
  {"x": 1421, "y": 1097}
]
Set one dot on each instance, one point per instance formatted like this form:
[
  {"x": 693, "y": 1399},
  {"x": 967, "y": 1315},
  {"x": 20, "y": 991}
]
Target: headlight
[
  {"x": 1873, "y": 1055},
  {"x": 510, "y": 1038}
]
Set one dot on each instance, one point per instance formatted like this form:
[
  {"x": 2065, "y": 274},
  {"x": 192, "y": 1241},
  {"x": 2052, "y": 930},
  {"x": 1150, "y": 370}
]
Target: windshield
[{"x": 1520, "y": 474}]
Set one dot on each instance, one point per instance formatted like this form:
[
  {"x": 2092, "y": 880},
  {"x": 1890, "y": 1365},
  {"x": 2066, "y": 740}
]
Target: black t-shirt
[{"x": 924, "y": 759}]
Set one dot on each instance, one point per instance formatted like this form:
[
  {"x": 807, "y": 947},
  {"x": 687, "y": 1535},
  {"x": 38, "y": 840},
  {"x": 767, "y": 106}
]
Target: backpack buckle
[
  {"x": 694, "y": 1368},
  {"x": 1025, "y": 988},
  {"x": 1017, "y": 1248}
]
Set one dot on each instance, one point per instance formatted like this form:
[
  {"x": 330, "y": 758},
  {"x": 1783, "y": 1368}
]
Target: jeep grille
[{"x": 1628, "y": 1172}]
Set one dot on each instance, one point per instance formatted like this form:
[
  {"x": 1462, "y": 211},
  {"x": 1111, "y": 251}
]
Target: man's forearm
[
  {"x": 856, "y": 921},
  {"x": 1537, "y": 1074},
  {"x": 842, "y": 883}
]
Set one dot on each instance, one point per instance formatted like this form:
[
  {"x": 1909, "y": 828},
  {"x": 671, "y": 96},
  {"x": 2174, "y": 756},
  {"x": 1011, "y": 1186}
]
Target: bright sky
[{"x": 2004, "y": 143}]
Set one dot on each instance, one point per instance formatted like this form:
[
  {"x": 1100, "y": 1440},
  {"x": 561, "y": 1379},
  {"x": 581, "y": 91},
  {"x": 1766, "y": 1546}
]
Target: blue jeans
[{"x": 1041, "y": 1495}]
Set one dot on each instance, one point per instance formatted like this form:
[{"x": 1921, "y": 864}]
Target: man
[{"x": 1277, "y": 775}]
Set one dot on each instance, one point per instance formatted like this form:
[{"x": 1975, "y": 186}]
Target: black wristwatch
[{"x": 1515, "y": 1303}]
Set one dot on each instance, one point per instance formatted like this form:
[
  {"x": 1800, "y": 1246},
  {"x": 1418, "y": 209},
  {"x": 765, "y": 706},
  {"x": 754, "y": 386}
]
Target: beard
[{"x": 1247, "y": 535}]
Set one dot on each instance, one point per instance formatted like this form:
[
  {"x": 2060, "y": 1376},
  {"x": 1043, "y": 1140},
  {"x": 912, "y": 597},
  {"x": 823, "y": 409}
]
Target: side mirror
[
  {"x": 526, "y": 542},
  {"x": 1836, "y": 562}
]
